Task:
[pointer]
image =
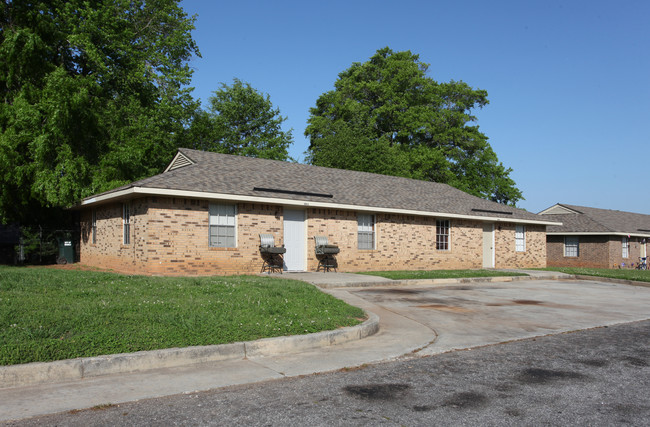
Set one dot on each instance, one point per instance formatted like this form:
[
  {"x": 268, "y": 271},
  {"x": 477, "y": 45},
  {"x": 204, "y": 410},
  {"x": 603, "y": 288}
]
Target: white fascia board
[
  {"x": 106, "y": 197},
  {"x": 137, "y": 191},
  {"x": 596, "y": 233}
]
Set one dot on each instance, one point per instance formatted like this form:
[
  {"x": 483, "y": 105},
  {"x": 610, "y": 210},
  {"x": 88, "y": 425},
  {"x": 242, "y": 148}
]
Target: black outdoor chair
[
  {"x": 271, "y": 255},
  {"x": 325, "y": 254}
]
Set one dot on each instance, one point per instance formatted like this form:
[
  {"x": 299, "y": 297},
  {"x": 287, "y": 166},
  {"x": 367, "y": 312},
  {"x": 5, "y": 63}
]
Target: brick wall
[
  {"x": 169, "y": 236},
  {"x": 402, "y": 242},
  {"x": 506, "y": 256},
  {"x": 109, "y": 250},
  {"x": 595, "y": 252},
  {"x": 616, "y": 259}
]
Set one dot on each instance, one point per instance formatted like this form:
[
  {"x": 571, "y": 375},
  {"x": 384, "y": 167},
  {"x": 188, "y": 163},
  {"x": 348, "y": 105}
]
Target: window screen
[
  {"x": 222, "y": 226},
  {"x": 520, "y": 238},
  {"x": 366, "y": 231},
  {"x": 571, "y": 246}
]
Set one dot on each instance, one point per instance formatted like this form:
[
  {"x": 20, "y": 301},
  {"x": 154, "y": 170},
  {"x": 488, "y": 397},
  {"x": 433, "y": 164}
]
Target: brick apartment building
[
  {"x": 595, "y": 238},
  {"x": 204, "y": 215}
]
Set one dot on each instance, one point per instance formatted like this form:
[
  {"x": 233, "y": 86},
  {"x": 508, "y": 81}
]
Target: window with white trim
[
  {"x": 366, "y": 231},
  {"x": 520, "y": 238},
  {"x": 626, "y": 247},
  {"x": 222, "y": 225},
  {"x": 442, "y": 234},
  {"x": 571, "y": 246},
  {"x": 126, "y": 223},
  {"x": 93, "y": 226}
]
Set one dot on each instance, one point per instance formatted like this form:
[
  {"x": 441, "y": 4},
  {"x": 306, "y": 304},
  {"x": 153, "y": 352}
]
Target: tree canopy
[
  {"x": 92, "y": 95},
  {"x": 387, "y": 116},
  {"x": 242, "y": 121}
]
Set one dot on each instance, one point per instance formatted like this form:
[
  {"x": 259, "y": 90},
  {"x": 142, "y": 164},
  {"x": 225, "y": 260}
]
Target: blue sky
[{"x": 568, "y": 81}]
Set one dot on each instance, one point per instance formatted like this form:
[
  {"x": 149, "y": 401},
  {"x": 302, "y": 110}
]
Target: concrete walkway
[
  {"x": 402, "y": 333},
  {"x": 397, "y": 336}
]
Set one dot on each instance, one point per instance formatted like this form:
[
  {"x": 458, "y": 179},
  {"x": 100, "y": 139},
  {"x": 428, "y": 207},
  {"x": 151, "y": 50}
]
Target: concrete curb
[
  {"x": 88, "y": 367},
  {"x": 451, "y": 281},
  {"x": 610, "y": 280}
]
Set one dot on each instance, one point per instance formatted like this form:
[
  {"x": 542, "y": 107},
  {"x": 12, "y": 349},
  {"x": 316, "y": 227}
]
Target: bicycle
[{"x": 642, "y": 264}]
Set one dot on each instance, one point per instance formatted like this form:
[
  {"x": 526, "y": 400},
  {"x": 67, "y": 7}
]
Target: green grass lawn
[
  {"x": 440, "y": 274},
  {"x": 637, "y": 275},
  {"x": 48, "y": 314}
]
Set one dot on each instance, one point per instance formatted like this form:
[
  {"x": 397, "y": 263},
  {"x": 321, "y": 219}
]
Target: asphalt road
[{"x": 597, "y": 377}]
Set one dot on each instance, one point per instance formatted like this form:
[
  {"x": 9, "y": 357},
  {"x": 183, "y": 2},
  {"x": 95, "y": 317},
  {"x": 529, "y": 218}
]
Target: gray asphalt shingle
[
  {"x": 600, "y": 221},
  {"x": 236, "y": 175}
]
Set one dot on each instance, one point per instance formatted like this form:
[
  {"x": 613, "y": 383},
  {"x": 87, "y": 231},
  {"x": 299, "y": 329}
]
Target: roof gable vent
[{"x": 180, "y": 160}]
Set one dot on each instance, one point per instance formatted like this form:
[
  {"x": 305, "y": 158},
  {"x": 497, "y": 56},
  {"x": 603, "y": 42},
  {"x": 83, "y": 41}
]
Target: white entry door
[
  {"x": 294, "y": 240},
  {"x": 488, "y": 245}
]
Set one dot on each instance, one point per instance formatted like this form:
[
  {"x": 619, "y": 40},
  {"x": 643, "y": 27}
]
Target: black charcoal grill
[{"x": 273, "y": 256}]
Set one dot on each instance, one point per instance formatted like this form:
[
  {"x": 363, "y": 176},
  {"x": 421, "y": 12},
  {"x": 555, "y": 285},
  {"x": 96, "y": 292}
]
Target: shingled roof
[
  {"x": 209, "y": 175},
  {"x": 586, "y": 220}
]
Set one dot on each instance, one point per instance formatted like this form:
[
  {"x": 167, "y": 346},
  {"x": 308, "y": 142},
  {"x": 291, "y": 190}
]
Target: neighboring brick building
[
  {"x": 204, "y": 214},
  {"x": 595, "y": 238}
]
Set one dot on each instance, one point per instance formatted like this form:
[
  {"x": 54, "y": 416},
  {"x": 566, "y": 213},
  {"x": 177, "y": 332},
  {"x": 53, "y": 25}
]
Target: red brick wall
[
  {"x": 169, "y": 236},
  {"x": 616, "y": 259},
  {"x": 595, "y": 252}
]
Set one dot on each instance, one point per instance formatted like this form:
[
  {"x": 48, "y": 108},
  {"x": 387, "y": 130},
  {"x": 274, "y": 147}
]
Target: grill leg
[
  {"x": 272, "y": 262},
  {"x": 326, "y": 262}
]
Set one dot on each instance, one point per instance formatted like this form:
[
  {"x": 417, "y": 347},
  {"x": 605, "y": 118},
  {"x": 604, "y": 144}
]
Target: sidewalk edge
[{"x": 88, "y": 367}]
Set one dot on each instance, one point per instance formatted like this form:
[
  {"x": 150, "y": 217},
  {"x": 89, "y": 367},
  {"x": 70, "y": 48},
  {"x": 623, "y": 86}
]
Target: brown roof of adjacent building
[
  {"x": 223, "y": 174},
  {"x": 582, "y": 219}
]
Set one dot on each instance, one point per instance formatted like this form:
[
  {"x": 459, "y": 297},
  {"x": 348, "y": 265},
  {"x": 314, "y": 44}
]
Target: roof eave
[
  {"x": 596, "y": 233},
  {"x": 148, "y": 191}
]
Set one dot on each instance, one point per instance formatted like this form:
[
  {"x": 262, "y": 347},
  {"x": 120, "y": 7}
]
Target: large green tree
[
  {"x": 92, "y": 95},
  {"x": 387, "y": 116},
  {"x": 242, "y": 121}
]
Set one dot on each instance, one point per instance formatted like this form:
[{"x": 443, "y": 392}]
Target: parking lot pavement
[
  {"x": 470, "y": 315},
  {"x": 415, "y": 320},
  {"x": 598, "y": 377}
]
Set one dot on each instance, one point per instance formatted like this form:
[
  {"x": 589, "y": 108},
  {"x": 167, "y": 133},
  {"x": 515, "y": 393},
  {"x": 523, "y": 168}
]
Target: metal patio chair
[
  {"x": 325, "y": 254},
  {"x": 273, "y": 256}
]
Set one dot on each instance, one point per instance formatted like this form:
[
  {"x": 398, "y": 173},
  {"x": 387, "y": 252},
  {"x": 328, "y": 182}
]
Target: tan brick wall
[
  {"x": 408, "y": 243},
  {"x": 505, "y": 253},
  {"x": 170, "y": 237},
  {"x": 109, "y": 250}
]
